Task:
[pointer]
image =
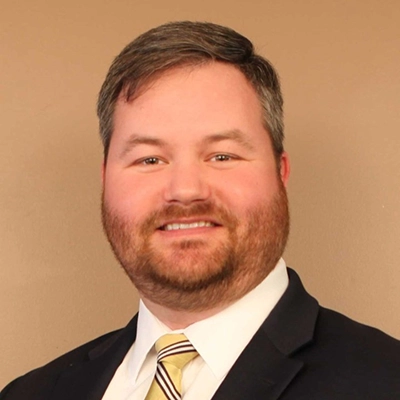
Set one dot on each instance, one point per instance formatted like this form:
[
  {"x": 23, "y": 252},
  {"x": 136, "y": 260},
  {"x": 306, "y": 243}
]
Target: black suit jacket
[{"x": 301, "y": 352}]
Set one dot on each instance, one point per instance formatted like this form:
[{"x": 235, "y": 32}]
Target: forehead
[{"x": 210, "y": 98}]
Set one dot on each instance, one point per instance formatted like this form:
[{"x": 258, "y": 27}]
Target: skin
[{"x": 194, "y": 136}]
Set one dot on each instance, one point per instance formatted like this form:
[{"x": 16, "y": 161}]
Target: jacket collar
[
  {"x": 267, "y": 365},
  {"x": 264, "y": 369}
]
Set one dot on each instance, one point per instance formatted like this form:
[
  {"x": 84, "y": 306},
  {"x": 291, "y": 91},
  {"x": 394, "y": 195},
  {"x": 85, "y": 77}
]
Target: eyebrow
[
  {"x": 136, "y": 140},
  {"x": 236, "y": 135}
]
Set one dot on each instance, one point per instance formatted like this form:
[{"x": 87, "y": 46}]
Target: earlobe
[{"x": 284, "y": 168}]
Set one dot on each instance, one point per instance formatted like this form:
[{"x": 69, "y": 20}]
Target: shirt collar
[
  {"x": 220, "y": 338},
  {"x": 149, "y": 330}
]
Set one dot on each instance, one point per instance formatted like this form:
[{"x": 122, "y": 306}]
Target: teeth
[{"x": 200, "y": 224}]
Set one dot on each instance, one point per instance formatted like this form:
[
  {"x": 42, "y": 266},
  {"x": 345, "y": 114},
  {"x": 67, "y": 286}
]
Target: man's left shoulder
[{"x": 354, "y": 342}]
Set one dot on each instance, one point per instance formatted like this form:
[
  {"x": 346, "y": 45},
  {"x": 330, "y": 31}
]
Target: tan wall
[{"x": 339, "y": 63}]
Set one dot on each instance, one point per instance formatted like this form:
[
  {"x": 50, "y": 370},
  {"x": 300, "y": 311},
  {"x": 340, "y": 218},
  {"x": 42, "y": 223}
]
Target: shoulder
[
  {"x": 341, "y": 358},
  {"x": 330, "y": 329},
  {"x": 353, "y": 359},
  {"x": 336, "y": 331},
  {"x": 43, "y": 378}
]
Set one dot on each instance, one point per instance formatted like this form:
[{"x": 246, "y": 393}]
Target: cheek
[
  {"x": 243, "y": 191},
  {"x": 129, "y": 197}
]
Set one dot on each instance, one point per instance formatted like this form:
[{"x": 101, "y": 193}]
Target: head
[
  {"x": 194, "y": 201},
  {"x": 189, "y": 43}
]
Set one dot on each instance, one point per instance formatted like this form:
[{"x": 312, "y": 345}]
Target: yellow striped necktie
[{"x": 174, "y": 351}]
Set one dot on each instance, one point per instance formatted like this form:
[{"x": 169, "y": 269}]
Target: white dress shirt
[{"x": 219, "y": 340}]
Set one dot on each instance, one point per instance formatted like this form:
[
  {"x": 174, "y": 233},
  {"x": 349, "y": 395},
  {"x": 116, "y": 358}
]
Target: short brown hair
[{"x": 189, "y": 43}]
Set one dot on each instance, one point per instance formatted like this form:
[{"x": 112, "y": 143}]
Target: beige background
[{"x": 339, "y": 63}]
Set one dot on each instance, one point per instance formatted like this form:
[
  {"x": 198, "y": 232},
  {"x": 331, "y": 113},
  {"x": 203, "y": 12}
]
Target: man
[{"x": 195, "y": 209}]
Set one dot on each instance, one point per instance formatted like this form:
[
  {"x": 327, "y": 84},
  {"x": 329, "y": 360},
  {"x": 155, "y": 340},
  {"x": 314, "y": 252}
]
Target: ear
[
  {"x": 284, "y": 168},
  {"x": 103, "y": 172}
]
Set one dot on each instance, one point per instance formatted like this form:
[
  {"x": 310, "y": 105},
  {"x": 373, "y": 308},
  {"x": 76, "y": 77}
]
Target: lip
[
  {"x": 199, "y": 231},
  {"x": 189, "y": 221}
]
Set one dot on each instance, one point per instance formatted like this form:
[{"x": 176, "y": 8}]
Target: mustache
[{"x": 202, "y": 209}]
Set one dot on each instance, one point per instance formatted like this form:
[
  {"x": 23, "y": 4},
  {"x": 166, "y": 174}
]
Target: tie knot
[{"x": 175, "y": 349}]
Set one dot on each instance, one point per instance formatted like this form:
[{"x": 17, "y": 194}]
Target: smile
[{"x": 192, "y": 225}]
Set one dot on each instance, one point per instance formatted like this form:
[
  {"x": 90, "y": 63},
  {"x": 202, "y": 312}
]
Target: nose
[{"x": 187, "y": 183}]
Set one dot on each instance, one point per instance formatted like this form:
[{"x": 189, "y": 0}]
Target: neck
[{"x": 179, "y": 319}]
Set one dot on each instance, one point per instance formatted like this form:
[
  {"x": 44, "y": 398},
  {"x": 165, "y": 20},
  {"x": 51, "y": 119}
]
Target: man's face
[{"x": 194, "y": 205}]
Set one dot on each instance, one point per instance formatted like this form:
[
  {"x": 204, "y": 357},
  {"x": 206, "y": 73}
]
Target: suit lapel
[
  {"x": 268, "y": 365},
  {"x": 264, "y": 369},
  {"x": 89, "y": 380},
  {"x": 261, "y": 372}
]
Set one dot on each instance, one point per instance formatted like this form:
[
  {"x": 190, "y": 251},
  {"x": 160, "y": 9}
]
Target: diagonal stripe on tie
[
  {"x": 182, "y": 347},
  {"x": 174, "y": 352},
  {"x": 165, "y": 383}
]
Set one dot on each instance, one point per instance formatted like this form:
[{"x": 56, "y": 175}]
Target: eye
[
  {"x": 151, "y": 161},
  {"x": 221, "y": 157}
]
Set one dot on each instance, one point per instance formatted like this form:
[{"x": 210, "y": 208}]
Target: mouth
[{"x": 180, "y": 225}]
